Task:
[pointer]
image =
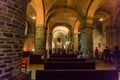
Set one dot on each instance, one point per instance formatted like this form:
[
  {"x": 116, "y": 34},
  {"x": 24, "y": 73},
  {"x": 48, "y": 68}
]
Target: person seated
[
  {"x": 63, "y": 51},
  {"x": 71, "y": 51}
]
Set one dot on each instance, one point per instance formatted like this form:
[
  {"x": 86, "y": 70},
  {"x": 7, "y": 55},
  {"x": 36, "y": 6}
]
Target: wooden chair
[{"x": 24, "y": 64}]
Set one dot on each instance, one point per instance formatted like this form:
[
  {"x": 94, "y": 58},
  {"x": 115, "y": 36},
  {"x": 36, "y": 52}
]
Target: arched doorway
[{"x": 61, "y": 37}]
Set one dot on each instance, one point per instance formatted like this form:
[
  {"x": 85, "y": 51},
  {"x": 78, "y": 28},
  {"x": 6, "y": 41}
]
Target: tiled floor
[{"x": 100, "y": 65}]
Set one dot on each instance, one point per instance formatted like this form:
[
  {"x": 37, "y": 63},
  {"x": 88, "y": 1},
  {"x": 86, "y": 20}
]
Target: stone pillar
[
  {"x": 108, "y": 34},
  {"x": 111, "y": 37},
  {"x": 75, "y": 37},
  {"x": 108, "y": 37},
  {"x": 40, "y": 40},
  {"x": 49, "y": 36},
  {"x": 49, "y": 44},
  {"x": 87, "y": 42},
  {"x": 12, "y": 26}
]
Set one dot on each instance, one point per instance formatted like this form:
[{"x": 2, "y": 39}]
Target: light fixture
[
  {"x": 101, "y": 19},
  {"x": 33, "y": 49},
  {"x": 33, "y": 17}
]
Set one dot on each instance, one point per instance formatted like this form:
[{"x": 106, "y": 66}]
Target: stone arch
[
  {"x": 117, "y": 25},
  {"x": 31, "y": 11},
  {"x": 39, "y": 7},
  {"x": 61, "y": 24},
  {"x": 117, "y": 17},
  {"x": 65, "y": 30},
  {"x": 53, "y": 12},
  {"x": 91, "y": 10},
  {"x": 100, "y": 34}
]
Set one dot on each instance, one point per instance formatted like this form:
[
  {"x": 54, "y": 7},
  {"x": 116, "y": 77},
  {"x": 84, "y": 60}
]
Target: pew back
[
  {"x": 36, "y": 59},
  {"x": 63, "y": 56},
  {"x": 67, "y": 59},
  {"x": 69, "y": 65},
  {"x": 76, "y": 75}
]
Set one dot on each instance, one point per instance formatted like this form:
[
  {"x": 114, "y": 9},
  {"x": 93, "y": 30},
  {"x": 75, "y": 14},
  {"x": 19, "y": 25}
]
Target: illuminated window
[{"x": 26, "y": 29}]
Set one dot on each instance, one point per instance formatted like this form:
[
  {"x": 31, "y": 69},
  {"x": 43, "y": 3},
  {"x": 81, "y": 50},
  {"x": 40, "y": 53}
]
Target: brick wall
[{"x": 12, "y": 23}]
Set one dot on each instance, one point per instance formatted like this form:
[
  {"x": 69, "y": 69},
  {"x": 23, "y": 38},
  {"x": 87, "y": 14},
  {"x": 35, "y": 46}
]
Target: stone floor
[{"x": 100, "y": 65}]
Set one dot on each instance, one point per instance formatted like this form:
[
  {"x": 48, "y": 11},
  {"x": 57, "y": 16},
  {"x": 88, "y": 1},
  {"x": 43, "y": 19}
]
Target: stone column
[
  {"x": 108, "y": 36},
  {"x": 40, "y": 40},
  {"x": 49, "y": 36},
  {"x": 75, "y": 37},
  {"x": 87, "y": 42},
  {"x": 72, "y": 41},
  {"x": 49, "y": 44},
  {"x": 12, "y": 26},
  {"x": 111, "y": 37}
]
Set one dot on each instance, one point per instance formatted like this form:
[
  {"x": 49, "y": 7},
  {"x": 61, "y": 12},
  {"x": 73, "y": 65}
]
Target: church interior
[{"x": 42, "y": 39}]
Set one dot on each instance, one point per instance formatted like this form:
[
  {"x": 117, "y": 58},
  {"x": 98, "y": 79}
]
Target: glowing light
[
  {"x": 24, "y": 49},
  {"x": 33, "y": 17},
  {"x": 101, "y": 19},
  {"x": 33, "y": 49}
]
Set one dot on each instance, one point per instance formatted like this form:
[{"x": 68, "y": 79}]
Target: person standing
[
  {"x": 116, "y": 56},
  {"x": 107, "y": 54},
  {"x": 96, "y": 53}
]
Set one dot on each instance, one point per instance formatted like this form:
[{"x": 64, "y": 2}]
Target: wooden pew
[
  {"x": 63, "y": 56},
  {"x": 27, "y": 53},
  {"x": 69, "y": 65},
  {"x": 36, "y": 59},
  {"x": 67, "y": 59},
  {"x": 76, "y": 75}
]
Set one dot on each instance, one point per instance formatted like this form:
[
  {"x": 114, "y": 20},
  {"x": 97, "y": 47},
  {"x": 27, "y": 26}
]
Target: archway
[{"x": 61, "y": 37}]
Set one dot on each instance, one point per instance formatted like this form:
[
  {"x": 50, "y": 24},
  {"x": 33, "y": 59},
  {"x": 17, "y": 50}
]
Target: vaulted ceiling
[{"x": 71, "y": 12}]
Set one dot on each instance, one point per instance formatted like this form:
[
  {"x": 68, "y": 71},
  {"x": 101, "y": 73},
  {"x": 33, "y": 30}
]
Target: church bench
[
  {"x": 69, "y": 65},
  {"x": 27, "y": 53},
  {"x": 63, "y": 55},
  {"x": 36, "y": 59},
  {"x": 67, "y": 59},
  {"x": 76, "y": 75}
]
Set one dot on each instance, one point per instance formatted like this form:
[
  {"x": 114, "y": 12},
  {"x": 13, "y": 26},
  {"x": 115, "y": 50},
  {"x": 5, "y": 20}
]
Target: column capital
[
  {"x": 29, "y": 1},
  {"x": 40, "y": 25},
  {"x": 86, "y": 27},
  {"x": 49, "y": 34},
  {"x": 89, "y": 21}
]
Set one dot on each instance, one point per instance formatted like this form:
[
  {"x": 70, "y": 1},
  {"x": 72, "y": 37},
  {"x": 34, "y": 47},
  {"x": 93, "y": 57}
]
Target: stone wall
[
  {"x": 12, "y": 23},
  {"x": 40, "y": 40}
]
